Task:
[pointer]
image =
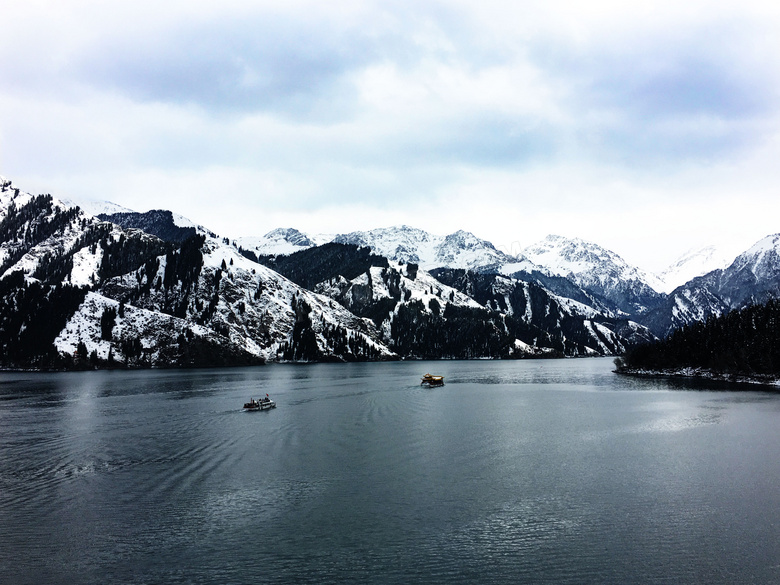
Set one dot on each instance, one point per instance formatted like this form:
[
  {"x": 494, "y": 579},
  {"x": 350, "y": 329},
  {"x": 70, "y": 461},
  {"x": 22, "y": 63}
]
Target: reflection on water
[{"x": 550, "y": 471}]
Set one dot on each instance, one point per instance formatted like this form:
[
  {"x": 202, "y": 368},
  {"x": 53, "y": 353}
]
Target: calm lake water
[{"x": 514, "y": 472}]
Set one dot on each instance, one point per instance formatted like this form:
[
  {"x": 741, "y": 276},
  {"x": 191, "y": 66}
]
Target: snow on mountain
[
  {"x": 402, "y": 244},
  {"x": 153, "y": 288},
  {"x": 158, "y": 335},
  {"x": 11, "y": 194},
  {"x": 248, "y": 304},
  {"x": 693, "y": 263},
  {"x": 192, "y": 301},
  {"x": 762, "y": 259},
  {"x": 44, "y": 235},
  {"x": 280, "y": 241},
  {"x": 753, "y": 277},
  {"x": 598, "y": 270},
  {"x": 94, "y": 207},
  {"x": 584, "y": 261},
  {"x": 406, "y": 244},
  {"x": 543, "y": 320}
]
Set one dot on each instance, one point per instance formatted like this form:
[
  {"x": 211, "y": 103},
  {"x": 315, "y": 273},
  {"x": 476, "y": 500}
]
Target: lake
[{"x": 541, "y": 471}]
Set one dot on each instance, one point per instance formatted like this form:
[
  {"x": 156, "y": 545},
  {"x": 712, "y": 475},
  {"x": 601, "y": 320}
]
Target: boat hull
[{"x": 251, "y": 407}]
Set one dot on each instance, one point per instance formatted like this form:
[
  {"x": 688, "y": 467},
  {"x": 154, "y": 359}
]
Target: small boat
[
  {"x": 262, "y": 404},
  {"x": 431, "y": 381}
]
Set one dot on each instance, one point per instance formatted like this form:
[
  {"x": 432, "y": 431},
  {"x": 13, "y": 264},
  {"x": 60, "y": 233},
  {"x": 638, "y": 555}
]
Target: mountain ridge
[{"x": 188, "y": 295}]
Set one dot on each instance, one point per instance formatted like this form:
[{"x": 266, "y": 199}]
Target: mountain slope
[
  {"x": 406, "y": 244},
  {"x": 753, "y": 277},
  {"x": 160, "y": 223},
  {"x": 449, "y": 312},
  {"x": 193, "y": 297},
  {"x": 280, "y": 241},
  {"x": 690, "y": 265},
  {"x": 599, "y": 271}
]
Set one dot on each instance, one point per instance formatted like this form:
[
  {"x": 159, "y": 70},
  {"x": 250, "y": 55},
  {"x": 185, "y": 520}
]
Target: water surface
[{"x": 550, "y": 471}]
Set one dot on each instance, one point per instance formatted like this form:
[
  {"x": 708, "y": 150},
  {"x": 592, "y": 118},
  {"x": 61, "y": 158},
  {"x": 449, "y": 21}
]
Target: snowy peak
[
  {"x": 695, "y": 262},
  {"x": 292, "y": 236},
  {"x": 463, "y": 249},
  {"x": 407, "y": 244},
  {"x": 402, "y": 243},
  {"x": 754, "y": 277},
  {"x": 93, "y": 207},
  {"x": 762, "y": 259},
  {"x": 280, "y": 241},
  {"x": 598, "y": 270},
  {"x": 586, "y": 261}
]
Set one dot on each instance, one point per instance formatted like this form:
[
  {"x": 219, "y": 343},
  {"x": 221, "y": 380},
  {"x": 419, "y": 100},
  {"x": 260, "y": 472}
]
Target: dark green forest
[
  {"x": 314, "y": 265},
  {"x": 742, "y": 342},
  {"x": 31, "y": 316}
]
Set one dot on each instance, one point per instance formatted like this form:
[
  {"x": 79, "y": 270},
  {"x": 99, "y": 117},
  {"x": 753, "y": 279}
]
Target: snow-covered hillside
[
  {"x": 753, "y": 277},
  {"x": 280, "y": 241},
  {"x": 154, "y": 289},
  {"x": 182, "y": 302},
  {"x": 598, "y": 270},
  {"x": 695, "y": 262},
  {"x": 406, "y": 244},
  {"x": 401, "y": 243}
]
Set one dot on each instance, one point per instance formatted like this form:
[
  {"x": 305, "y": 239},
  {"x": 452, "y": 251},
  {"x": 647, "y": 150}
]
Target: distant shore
[{"x": 701, "y": 374}]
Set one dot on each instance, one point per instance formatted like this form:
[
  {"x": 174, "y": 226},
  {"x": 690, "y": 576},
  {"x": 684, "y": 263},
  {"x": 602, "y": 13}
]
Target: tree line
[{"x": 742, "y": 342}]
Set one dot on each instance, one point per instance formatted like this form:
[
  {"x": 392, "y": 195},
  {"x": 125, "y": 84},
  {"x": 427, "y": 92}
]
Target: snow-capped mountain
[
  {"x": 546, "y": 320},
  {"x": 452, "y": 313},
  {"x": 154, "y": 289},
  {"x": 695, "y": 262},
  {"x": 753, "y": 277},
  {"x": 597, "y": 270},
  {"x": 280, "y": 241},
  {"x": 66, "y": 275},
  {"x": 406, "y": 244},
  {"x": 151, "y": 289},
  {"x": 95, "y": 207},
  {"x": 402, "y": 244}
]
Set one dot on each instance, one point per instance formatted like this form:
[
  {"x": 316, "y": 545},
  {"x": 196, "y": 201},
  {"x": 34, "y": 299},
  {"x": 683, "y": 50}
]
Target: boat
[
  {"x": 431, "y": 381},
  {"x": 262, "y": 404}
]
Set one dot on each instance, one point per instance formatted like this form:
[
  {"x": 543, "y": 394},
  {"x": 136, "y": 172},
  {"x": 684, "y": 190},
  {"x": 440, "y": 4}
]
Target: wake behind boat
[
  {"x": 262, "y": 404},
  {"x": 431, "y": 381}
]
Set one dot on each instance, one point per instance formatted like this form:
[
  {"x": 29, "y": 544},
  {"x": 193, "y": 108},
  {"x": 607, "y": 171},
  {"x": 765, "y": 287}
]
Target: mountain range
[{"x": 117, "y": 288}]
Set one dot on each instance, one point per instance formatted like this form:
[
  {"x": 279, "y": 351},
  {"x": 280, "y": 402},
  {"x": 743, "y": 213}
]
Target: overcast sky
[{"x": 647, "y": 127}]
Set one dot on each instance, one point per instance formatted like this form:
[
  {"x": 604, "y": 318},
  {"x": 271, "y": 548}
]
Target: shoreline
[{"x": 691, "y": 373}]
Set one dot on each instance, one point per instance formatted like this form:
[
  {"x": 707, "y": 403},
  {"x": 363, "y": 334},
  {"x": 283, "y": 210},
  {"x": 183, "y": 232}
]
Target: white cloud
[{"x": 641, "y": 126}]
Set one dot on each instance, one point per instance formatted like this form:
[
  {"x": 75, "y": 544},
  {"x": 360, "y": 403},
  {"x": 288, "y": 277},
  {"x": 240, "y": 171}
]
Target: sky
[{"x": 649, "y": 128}]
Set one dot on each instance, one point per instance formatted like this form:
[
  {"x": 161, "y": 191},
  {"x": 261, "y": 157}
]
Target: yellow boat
[{"x": 431, "y": 380}]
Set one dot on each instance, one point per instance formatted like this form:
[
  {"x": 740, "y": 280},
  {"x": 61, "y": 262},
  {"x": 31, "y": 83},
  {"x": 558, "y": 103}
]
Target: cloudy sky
[{"x": 647, "y": 127}]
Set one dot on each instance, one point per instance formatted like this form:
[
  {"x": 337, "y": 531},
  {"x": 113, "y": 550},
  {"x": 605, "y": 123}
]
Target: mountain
[
  {"x": 402, "y": 244},
  {"x": 78, "y": 291},
  {"x": 160, "y": 223},
  {"x": 94, "y": 207},
  {"x": 454, "y": 313},
  {"x": 753, "y": 277},
  {"x": 692, "y": 264},
  {"x": 598, "y": 271},
  {"x": 131, "y": 289},
  {"x": 568, "y": 327},
  {"x": 406, "y": 244},
  {"x": 279, "y": 242}
]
